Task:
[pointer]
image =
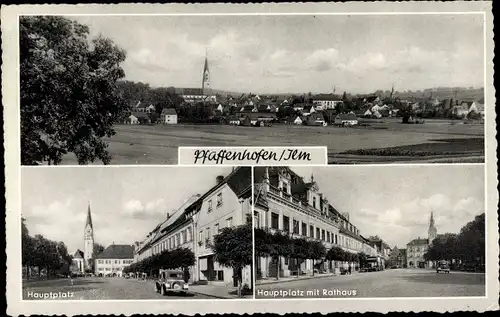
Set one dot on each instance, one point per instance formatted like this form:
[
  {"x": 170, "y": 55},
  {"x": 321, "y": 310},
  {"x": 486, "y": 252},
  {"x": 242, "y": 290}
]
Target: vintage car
[
  {"x": 443, "y": 267},
  {"x": 171, "y": 281}
]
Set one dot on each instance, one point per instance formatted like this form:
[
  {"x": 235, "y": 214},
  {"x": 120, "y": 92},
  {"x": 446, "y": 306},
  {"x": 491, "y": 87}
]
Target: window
[
  {"x": 295, "y": 226},
  {"x": 177, "y": 239},
  {"x": 220, "y": 275},
  {"x": 322, "y": 234},
  {"x": 256, "y": 220},
  {"x": 208, "y": 234},
  {"x": 216, "y": 228},
  {"x": 311, "y": 231},
  {"x": 314, "y": 202},
  {"x": 286, "y": 224},
  {"x": 229, "y": 222},
  {"x": 210, "y": 205},
  {"x": 274, "y": 220},
  {"x": 189, "y": 234},
  {"x": 183, "y": 236},
  {"x": 328, "y": 237},
  {"x": 285, "y": 188},
  {"x": 219, "y": 199},
  {"x": 200, "y": 236},
  {"x": 317, "y": 234},
  {"x": 304, "y": 229}
]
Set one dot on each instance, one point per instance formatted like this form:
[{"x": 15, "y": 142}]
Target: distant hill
[{"x": 444, "y": 93}]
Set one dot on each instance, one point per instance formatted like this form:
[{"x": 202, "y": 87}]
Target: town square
[
  {"x": 405, "y": 236},
  {"x": 140, "y": 235}
]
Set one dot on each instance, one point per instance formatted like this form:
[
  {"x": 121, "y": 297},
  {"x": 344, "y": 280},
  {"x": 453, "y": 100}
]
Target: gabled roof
[
  {"x": 78, "y": 254},
  {"x": 239, "y": 180},
  {"x": 168, "y": 111},
  {"x": 117, "y": 251},
  {"x": 418, "y": 242}
]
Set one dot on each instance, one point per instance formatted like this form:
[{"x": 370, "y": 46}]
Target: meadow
[{"x": 386, "y": 141}]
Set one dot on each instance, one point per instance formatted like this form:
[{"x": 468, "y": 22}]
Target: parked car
[
  {"x": 443, "y": 267},
  {"x": 171, "y": 281}
]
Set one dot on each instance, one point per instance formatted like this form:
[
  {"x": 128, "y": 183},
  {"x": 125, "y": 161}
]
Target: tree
[
  {"x": 27, "y": 247},
  {"x": 362, "y": 259},
  {"x": 69, "y": 97},
  {"x": 233, "y": 248},
  {"x": 471, "y": 240},
  {"x": 317, "y": 252},
  {"x": 301, "y": 250}
]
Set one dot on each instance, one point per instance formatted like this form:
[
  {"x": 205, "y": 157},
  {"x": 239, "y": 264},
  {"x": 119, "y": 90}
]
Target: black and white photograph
[
  {"x": 136, "y": 233},
  {"x": 347, "y": 232},
  {"x": 125, "y": 89},
  {"x": 197, "y": 159}
]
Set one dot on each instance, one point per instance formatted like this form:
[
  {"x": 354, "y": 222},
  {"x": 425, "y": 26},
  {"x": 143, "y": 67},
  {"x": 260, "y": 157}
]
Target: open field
[{"x": 158, "y": 144}]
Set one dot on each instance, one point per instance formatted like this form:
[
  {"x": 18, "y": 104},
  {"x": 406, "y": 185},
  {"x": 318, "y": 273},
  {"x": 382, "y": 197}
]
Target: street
[
  {"x": 97, "y": 288},
  {"x": 388, "y": 283}
]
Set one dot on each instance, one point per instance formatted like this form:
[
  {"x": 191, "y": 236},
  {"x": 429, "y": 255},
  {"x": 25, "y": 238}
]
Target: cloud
[
  {"x": 399, "y": 224},
  {"x": 322, "y": 60},
  {"x": 145, "y": 211}
]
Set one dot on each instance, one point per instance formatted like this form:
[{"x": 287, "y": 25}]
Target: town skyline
[
  {"x": 125, "y": 203},
  {"x": 257, "y": 54},
  {"x": 397, "y": 207}
]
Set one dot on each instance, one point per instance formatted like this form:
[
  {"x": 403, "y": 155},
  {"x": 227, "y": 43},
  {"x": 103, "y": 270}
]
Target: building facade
[
  {"x": 113, "y": 260},
  {"x": 416, "y": 248},
  {"x": 226, "y": 204},
  {"x": 284, "y": 202}
]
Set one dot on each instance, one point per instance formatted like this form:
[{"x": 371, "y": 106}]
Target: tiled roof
[
  {"x": 239, "y": 180},
  {"x": 168, "y": 111},
  {"x": 117, "y": 251},
  {"x": 257, "y": 115},
  {"x": 78, "y": 254},
  {"x": 418, "y": 242}
]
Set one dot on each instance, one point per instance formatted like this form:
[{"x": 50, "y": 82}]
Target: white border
[{"x": 12, "y": 159}]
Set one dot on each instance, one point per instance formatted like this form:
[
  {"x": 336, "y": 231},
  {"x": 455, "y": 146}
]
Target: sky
[
  {"x": 299, "y": 54},
  {"x": 395, "y": 203},
  {"x": 126, "y": 202}
]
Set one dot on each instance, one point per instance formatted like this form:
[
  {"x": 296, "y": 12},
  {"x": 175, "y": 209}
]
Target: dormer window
[{"x": 314, "y": 202}]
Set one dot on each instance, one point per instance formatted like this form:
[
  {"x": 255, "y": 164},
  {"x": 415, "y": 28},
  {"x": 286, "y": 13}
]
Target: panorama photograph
[{"x": 133, "y": 89}]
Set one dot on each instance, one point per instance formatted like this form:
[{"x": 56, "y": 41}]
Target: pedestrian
[{"x": 349, "y": 270}]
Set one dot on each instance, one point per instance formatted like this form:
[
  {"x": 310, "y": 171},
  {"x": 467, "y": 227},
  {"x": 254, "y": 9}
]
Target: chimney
[
  {"x": 168, "y": 215},
  {"x": 219, "y": 179}
]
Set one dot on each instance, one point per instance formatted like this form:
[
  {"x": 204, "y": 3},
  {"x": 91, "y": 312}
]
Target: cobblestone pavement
[
  {"x": 388, "y": 283},
  {"x": 98, "y": 288}
]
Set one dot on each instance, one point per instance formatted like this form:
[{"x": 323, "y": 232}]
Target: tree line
[
  {"x": 468, "y": 246},
  {"x": 44, "y": 254},
  {"x": 278, "y": 244},
  {"x": 181, "y": 258}
]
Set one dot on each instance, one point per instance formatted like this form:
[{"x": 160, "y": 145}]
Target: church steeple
[
  {"x": 88, "y": 241},
  {"x": 89, "y": 218},
  {"x": 206, "y": 75},
  {"x": 432, "y": 229}
]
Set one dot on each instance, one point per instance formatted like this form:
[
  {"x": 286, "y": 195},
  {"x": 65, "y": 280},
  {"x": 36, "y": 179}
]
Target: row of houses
[
  {"x": 167, "y": 116},
  {"x": 194, "y": 224},
  {"x": 285, "y": 202}
]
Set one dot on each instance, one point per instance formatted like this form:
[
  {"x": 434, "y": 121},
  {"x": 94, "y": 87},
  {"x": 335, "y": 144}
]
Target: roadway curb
[
  {"x": 293, "y": 280},
  {"x": 210, "y": 295}
]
